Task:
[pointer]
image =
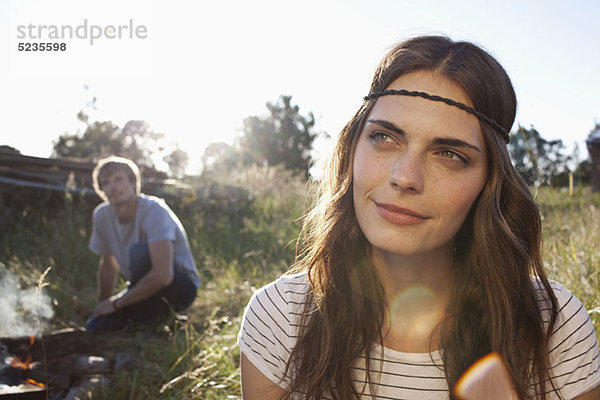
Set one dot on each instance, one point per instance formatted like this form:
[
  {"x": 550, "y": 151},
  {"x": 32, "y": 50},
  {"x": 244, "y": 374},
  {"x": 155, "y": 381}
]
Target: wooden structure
[
  {"x": 593, "y": 146},
  {"x": 26, "y": 179},
  {"x": 45, "y": 173}
]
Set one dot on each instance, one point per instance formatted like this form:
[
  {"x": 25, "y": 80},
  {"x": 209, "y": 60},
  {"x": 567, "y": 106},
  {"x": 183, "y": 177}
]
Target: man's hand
[{"x": 104, "y": 307}]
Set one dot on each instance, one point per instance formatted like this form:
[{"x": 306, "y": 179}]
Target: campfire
[
  {"x": 19, "y": 370},
  {"x": 56, "y": 366}
]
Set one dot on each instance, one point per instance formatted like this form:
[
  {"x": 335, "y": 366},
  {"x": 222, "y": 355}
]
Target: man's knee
[{"x": 181, "y": 293}]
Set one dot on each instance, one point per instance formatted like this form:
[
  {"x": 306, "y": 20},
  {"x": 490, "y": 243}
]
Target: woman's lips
[{"x": 398, "y": 215}]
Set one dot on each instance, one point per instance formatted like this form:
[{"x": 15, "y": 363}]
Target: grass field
[{"x": 242, "y": 229}]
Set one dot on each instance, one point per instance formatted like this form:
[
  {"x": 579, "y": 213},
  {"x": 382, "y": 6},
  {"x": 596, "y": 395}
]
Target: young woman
[{"x": 423, "y": 253}]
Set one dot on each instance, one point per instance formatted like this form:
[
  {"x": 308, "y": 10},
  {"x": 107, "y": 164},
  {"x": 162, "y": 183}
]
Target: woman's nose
[{"x": 408, "y": 173}]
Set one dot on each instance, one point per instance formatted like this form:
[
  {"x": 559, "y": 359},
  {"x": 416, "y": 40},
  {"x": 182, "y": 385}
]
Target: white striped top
[{"x": 272, "y": 319}]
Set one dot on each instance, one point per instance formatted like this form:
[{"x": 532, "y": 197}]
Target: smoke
[{"x": 23, "y": 312}]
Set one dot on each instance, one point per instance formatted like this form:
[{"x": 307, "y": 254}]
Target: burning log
[
  {"x": 53, "y": 345},
  {"x": 54, "y": 363}
]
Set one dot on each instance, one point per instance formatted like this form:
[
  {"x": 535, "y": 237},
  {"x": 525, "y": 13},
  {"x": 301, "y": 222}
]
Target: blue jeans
[{"x": 179, "y": 295}]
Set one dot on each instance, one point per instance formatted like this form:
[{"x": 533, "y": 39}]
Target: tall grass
[
  {"x": 242, "y": 226},
  {"x": 571, "y": 231},
  {"x": 36, "y": 238},
  {"x": 241, "y": 229}
]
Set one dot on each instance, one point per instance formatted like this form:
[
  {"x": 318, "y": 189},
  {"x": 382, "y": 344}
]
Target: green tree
[
  {"x": 177, "y": 161},
  {"x": 135, "y": 141},
  {"x": 220, "y": 158},
  {"x": 539, "y": 161},
  {"x": 282, "y": 137}
]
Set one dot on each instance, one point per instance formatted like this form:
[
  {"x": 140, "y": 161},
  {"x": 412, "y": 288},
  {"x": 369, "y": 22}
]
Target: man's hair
[{"x": 110, "y": 165}]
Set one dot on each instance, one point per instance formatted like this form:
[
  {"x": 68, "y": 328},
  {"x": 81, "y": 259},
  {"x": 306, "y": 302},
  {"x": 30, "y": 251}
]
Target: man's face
[{"x": 118, "y": 188}]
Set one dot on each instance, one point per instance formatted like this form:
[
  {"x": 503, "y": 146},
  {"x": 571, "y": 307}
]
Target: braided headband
[{"x": 482, "y": 117}]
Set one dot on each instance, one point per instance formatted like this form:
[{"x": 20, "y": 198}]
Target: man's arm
[
  {"x": 107, "y": 276},
  {"x": 159, "y": 276}
]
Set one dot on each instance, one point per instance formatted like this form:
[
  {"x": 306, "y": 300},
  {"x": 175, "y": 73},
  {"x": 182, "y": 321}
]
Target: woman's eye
[
  {"x": 381, "y": 137},
  {"x": 453, "y": 156}
]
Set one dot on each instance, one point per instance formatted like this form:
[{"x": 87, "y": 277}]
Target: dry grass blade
[{"x": 41, "y": 283}]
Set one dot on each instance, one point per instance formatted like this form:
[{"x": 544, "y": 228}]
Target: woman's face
[{"x": 418, "y": 167}]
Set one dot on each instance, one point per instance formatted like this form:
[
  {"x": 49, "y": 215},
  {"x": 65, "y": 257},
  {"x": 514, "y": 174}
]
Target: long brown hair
[{"x": 493, "y": 303}]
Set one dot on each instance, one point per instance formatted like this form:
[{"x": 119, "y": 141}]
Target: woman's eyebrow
[
  {"x": 443, "y": 141},
  {"x": 455, "y": 143},
  {"x": 387, "y": 125}
]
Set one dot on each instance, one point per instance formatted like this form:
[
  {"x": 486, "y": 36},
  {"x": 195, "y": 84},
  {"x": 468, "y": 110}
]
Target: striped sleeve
[
  {"x": 574, "y": 361},
  {"x": 268, "y": 330}
]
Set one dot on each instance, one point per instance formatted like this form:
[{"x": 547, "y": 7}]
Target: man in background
[{"x": 141, "y": 237}]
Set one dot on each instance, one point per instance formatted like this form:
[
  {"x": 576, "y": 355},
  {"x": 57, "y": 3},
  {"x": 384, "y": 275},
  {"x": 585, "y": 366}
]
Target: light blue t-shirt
[{"x": 153, "y": 221}]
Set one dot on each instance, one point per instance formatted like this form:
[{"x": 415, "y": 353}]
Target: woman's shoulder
[
  {"x": 294, "y": 284},
  {"x": 570, "y": 312},
  {"x": 572, "y": 348},
  {"x": 289, "y": 292},
  {"x": 564, "y": 298},
  {"x": 270, "y": 324},
  {"x": 569, "y": 306},
  {"x": 572, "y": 317},
  {"x": 572, "y": 326}
]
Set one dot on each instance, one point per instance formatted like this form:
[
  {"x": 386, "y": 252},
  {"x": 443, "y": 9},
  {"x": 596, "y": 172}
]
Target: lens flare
[
  {"x": 486, "y": 379},
  {"x": 414, "y": 311}
]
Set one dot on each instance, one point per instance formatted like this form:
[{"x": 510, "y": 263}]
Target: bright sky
[{"x": 204, "y": 66}]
